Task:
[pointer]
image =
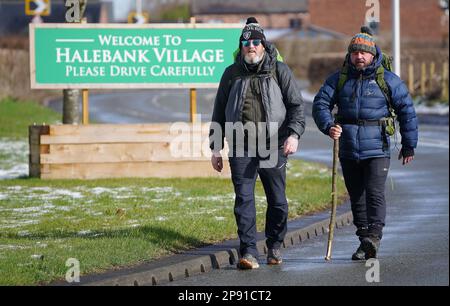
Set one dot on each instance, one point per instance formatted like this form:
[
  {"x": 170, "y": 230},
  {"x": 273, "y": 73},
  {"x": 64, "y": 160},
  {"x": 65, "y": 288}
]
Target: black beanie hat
[{"x": 252, "y": 30}]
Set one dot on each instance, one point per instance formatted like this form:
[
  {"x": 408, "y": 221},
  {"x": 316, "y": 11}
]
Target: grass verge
[
  {"x": 16, "y": 116},
  {"x": 119, "y": 222}
]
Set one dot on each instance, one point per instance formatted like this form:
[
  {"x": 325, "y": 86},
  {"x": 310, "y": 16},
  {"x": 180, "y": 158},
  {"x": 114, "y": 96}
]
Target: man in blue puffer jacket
[{"x": 360, "y": 126}]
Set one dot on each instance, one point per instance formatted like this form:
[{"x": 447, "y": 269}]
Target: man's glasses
[{"x": 254, "y": 42}]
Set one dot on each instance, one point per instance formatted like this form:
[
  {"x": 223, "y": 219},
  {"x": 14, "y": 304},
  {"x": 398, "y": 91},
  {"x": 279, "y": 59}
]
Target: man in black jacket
[{"x": 260, "y": 110}]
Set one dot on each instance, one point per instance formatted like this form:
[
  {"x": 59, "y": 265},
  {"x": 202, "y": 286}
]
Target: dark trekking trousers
[
  {"x": 365, "y": 181},
  {"x": 244, "y": 171}
]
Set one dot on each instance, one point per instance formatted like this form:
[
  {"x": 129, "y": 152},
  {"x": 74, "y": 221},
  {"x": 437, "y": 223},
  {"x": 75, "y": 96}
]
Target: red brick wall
[
  {"x": 266, "y": 21},
  {"x": 419, "y": 19}
]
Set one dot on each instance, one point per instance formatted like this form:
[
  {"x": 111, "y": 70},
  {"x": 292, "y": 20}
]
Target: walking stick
[{"x": 333, "y": 198}]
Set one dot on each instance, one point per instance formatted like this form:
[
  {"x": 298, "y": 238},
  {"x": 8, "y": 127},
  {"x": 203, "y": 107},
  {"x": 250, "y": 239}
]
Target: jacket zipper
[
  {"x": 357, "y": 112},
  {"x": 261, "y": 80}
]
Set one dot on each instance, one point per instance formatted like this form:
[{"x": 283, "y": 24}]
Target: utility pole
[
  {"x": 396, "y": 35},
  {"x": 71, "y": 97}
]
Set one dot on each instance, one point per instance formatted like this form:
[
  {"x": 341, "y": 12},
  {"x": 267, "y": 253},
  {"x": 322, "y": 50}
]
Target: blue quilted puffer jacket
[{"x": 362, "y": 99}]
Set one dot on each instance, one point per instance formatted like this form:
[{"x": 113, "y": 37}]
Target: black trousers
[
  {"x": 244, "y": 171},
  {"x": 365, "y": 181}
]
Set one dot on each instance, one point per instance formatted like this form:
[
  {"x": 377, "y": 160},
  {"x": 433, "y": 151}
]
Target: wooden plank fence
[{"x": 116, "y": 151}]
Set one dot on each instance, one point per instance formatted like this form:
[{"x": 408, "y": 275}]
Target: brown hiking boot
[
  {"x": 274, "y": 257},
  {"x": 248, "y": 261}
]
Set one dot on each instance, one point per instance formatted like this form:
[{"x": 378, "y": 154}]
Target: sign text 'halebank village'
[{"x": 128, "y": 56}]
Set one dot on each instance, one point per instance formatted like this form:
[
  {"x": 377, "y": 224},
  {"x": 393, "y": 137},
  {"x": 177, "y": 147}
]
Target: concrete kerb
[{"x": 208, "y": 259}]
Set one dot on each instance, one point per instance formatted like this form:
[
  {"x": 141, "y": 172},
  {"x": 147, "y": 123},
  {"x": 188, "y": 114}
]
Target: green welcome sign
[{"x": 130, "y": 56}]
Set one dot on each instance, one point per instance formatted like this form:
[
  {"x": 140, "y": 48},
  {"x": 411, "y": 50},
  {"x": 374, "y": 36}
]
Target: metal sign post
[{"x": 396, "y": 35}]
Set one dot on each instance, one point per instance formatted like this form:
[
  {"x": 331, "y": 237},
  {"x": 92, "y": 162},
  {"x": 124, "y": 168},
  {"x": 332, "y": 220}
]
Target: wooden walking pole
[{"x": 333, "y": 198}]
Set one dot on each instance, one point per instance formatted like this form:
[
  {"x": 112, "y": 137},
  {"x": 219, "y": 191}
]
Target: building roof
[{"x": 203, "y": 7}]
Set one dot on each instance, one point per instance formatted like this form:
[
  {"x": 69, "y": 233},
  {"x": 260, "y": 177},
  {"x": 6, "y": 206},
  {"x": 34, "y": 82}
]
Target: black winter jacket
[{"x": 281, "y": 97}]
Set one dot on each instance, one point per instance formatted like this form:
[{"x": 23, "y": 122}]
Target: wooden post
[
  {"x": 85, "y": 106},
  {"x": 193, "y": 93},
  {"x": 423, "y": 77},
  {"x": 432, "y": 73},
  {"x": 411, "y": 78},
  {"x": 445, "y": 81},
  {"x": 193, "y": 99},
  {"x": 432, "y": 70},
  {"x": 34, "y": 140},
  {"x": 85, "y": 95}
]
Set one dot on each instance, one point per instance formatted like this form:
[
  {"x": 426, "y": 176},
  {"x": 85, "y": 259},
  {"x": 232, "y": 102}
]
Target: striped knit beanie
[{"x": 363, "y": 42}]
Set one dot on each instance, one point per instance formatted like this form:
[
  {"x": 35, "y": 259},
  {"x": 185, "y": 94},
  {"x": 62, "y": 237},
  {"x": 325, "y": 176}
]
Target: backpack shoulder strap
[
  {"x": 385, "y": 89},
  {"x": 343, "y": 76}
]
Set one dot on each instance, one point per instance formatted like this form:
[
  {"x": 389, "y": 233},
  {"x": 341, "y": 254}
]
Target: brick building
[
  {"x": 420, "y": 20},
  {"x": 271, "y": 14}
]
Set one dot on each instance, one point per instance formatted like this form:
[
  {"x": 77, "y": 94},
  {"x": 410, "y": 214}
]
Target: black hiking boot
[
  {"x": 362, "y": 232},
  {"x": 359, "y": 254},
  {"x": 370, "y": 246}
]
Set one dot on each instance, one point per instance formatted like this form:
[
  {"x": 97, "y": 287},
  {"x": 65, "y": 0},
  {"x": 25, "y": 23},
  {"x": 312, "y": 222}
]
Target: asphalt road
[{"x": 414, "y": 249}]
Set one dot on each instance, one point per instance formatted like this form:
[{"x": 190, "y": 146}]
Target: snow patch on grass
[
  {"x": 12, "y": 247},
  {"x": 13, "y": 158}
]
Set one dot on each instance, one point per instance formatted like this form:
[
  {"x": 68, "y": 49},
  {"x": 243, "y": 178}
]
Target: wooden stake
[
  {"x": 85, "y": 106},
  {"x": 411, "y": 78},
  {"x": 193, "y": 92},
  {"x": 445, "y": 81},
  {"x": 193, "y": 98},
  {"x": 423, "y": 77}
]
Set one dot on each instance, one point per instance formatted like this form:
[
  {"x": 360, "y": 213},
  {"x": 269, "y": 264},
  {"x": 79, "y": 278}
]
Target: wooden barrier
[{"x": 116, "y": 151}]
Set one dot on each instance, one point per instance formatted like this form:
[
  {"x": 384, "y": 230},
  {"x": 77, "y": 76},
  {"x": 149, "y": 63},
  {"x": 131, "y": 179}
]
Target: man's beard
[
  {"x": 365, "y": 64},
  {"x": 361, "y": 68},
  {"x": 253, "y": 60}
]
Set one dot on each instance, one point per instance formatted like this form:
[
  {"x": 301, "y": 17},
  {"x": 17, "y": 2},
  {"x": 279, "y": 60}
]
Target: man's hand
[
  {"x": 335, "y": 132},
  {"x": 290, "y": 145},
  {"x": 406, "y": 155},
  {"x": 216, "y": 161}
]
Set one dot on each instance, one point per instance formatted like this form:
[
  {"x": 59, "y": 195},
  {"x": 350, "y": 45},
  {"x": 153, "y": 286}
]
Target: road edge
[{"x": 203, "y": 260}]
